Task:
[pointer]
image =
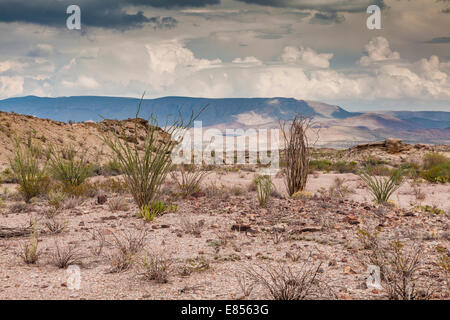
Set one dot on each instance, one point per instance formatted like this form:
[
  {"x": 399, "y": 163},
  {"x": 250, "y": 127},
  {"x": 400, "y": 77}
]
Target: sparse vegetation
[
  {"x": 145, "y": 165},
  {"x": 30, "y": 252},
  {"x": 69, "y": 166},
  {"x": 284, "y": 283},
  {"x": 156, "y": 268},
  {"x": 30, "y": 175},
  {"x": 400, "y": 267},
  {"x": 190, "y": 179},
  {"x": 127, "y": 246},
  {"x": 264, "y": 186},
  {"x": 382, "y": 188},
  {"x": 64, "y": 256}
]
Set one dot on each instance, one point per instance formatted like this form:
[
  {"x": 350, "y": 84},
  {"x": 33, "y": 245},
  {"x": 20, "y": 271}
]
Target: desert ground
[
  {"x": 216, "y": 236},
  {"x": 219, "y": 242}
]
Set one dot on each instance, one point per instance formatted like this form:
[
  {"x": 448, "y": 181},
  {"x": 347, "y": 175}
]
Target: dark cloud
[
  {"x": 439, "y": 40},
  {"x": 323, "y": 6},
  {"x": 327, "y": 18},
  {"x": 95, "y": 13}
]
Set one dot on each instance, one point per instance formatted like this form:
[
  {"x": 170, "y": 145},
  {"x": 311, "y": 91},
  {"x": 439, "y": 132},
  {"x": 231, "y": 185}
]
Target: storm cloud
[
  {"x": 95, "y": 13},
  {"x": 323, "y": 6}
]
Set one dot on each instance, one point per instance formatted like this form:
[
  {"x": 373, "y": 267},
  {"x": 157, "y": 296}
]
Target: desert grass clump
[
  {"x": 118, "y": 204},
  {"x": 297, "y": 153},
  {"x": 284, "y": 283},
  {"x": 64, "y": 256},
  {"x": 264, "y": 187},
  {"x": 54, "y": 225},
  {"x": 155, "y": 209},
  {"x": 30, "y": 252},
  {"x": 382, "y": 188},
  {"x": 192, "y": 227},
  {"x": 126, "y": 248},
  {"x": 30, "y": 175},
  {"x": 145, "y": 160},
  {"x": 69, "y": 166},
  {"x": 56, "y": 199},
  {"x": 156, "y": 268},
  {"x": 190, "y": 179}
]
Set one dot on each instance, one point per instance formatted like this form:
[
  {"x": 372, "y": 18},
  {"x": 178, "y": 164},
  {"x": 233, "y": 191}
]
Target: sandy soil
[{"x": 321, "y": 231}]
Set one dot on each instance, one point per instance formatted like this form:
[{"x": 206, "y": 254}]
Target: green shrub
[
  {"x": 382, "y": 188},
  {"x": 345, "y": 167},
  {"x": 145, "y": 164},
  {"x": 68, "y": 167},
  {"x": 155, "y": 209},
  {"x": 320, "y": 165},
  {"x": 111, "y": 168},
  {"x": 434, "y": 159},
  {"x": 31, "y": 177},
  {"x": 438, "y": 174},
  {"x": 263, "y": 188}
]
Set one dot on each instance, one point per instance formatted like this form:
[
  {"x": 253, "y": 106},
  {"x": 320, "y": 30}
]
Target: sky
[{"x": 305, "y": 49}]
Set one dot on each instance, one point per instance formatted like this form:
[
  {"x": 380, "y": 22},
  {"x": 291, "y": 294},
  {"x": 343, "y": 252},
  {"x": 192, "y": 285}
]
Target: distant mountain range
[{"x": 336, "y": 126}]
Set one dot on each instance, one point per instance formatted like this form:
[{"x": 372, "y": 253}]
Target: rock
[
  {"x": 351, "y": 220},
  {"x": 241, "y": 228},
  {"x": 394, "y": 145},
  {"x": 102, "y": 198}
]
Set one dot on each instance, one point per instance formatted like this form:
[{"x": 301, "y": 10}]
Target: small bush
[
  {"x": 400, "y": 267},
  {"x": 126, "y": 246},
  {"x": 56, "y": 199},
  {"x": 263, "y": 188},
  {"x": 30, "y": 176},
  {"x": 111, "y": 168},
  {"x": 30, "y": 253},
  {"x": 155, "y": 209},
  {"x": 434, "y": 159},
  {"x": 444, "y": 264},
  {"x": 382, "y": 188},
  {"x": 69, "y": 166},
  {"x": 55, "y": 226},
  {"x": 62, "y": 257},
  {"x": 438, "y": 174},
  {"x": 283, "y": 283},
  {"x": 190, "y": 180},
  {"x": 118, "y": 204},
  {"x": 301, "y": 195},
  {"x": 156, "y": 268}
]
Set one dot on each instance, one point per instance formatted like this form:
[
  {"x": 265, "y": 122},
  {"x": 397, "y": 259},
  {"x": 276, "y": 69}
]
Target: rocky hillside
[{"x": 84, "y": 136}]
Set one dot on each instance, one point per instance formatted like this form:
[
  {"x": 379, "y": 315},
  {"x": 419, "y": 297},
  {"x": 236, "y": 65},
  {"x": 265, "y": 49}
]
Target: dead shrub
[
  {"x": 297, "y": 153},
  {"x": 192, "y": 227},
  {"x": 156, "y": 268},
  {"x": 284, "y": 283},
  {"x": 54, "y": 225},
  {"x": 401, "y": 267},
  {"x": 118, "y": 204},
  {"x": 126, "y": 247},
  {"x": 64, "y": 256}
]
